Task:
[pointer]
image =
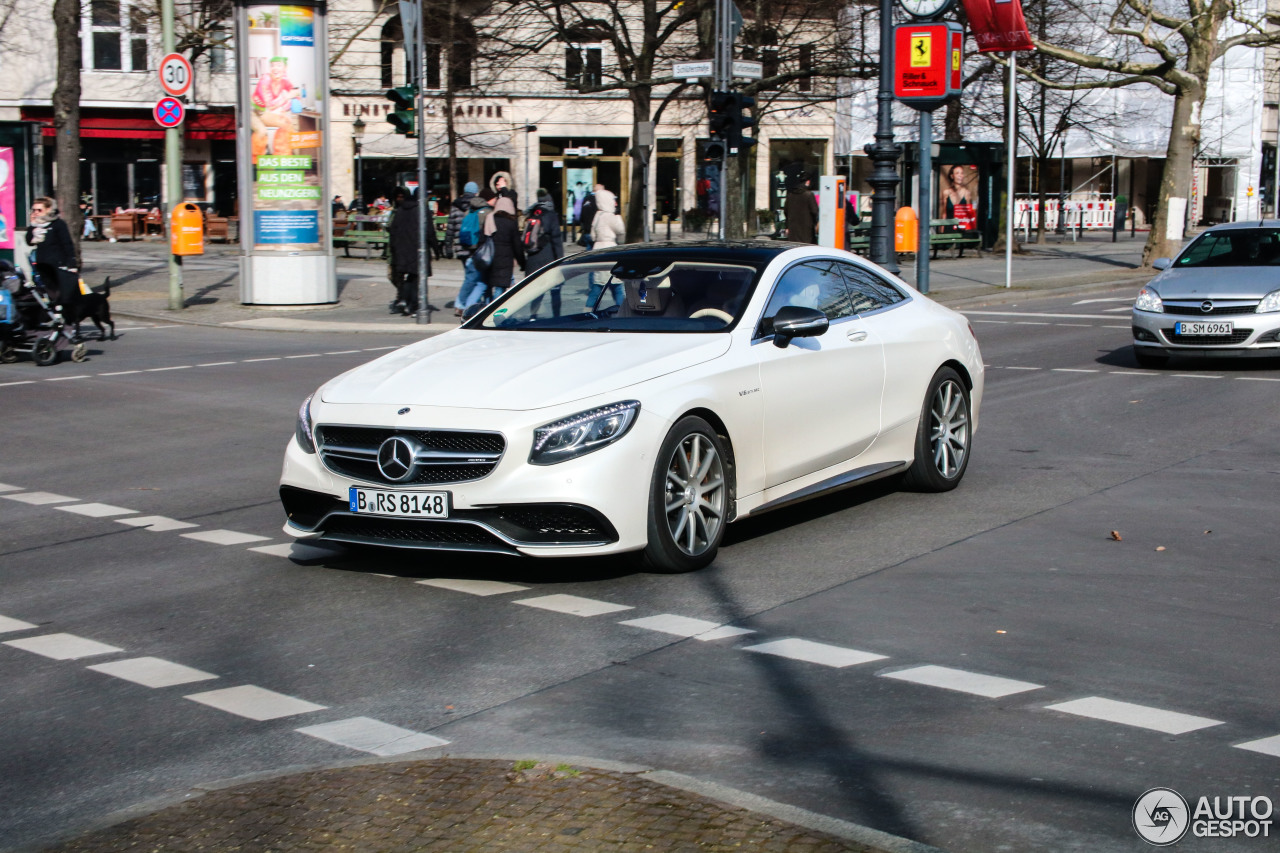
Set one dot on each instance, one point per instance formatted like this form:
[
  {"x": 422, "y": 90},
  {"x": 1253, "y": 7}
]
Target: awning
[{"x": 137, "y": 124}]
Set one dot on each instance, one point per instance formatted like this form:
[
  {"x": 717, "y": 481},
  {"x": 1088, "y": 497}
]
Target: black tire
[
  {"x": 1147, "y": 359},
  {"x": 8, "y": 355},
  {"x": 686, "y": 525},
  {"x": 944, "y": 437},
  {"x": 45, "y": 352}
]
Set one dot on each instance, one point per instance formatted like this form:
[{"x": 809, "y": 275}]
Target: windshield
[
  {"x": 627, "y": 295},
  {"x": 1236, "y": 247}
]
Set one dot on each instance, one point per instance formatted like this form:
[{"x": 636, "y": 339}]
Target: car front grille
[
  {"x": 552, "y": 523},
  {"x": 1194, "y": 309},
  {"x": 446, "y": 456},
  {"x": 1239, "y": 336}
]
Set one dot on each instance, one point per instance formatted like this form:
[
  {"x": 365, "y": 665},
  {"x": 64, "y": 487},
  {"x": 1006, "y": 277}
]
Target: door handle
[{"x": 857, "y": 334}]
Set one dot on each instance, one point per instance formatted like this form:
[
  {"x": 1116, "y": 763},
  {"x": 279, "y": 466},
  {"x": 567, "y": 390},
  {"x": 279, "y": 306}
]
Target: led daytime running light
[
  {"x": 582, "y": 433},
  {"x": 304, "y": 429}
]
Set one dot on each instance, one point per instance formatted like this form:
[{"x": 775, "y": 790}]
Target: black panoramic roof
[{"x": 757, "y": 253}]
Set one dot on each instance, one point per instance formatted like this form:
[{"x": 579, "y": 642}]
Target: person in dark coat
[
  {"x": 402, "y": 242},
  {"x": 508, "y": 251},
  {"x": 588, "y": 217},
  {"x": 53, "y": 255},
  {"x": 457, "y": 212},
  {"x": 801, "y": 210},
  {"x": 550, "y": 245}
]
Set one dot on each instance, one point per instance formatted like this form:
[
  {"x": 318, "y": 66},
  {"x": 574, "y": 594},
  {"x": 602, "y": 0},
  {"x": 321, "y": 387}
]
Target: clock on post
[{"x": 924, "y": 10}]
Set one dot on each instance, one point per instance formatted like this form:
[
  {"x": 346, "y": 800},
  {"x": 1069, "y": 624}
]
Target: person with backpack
[
  {"x": 470, "y": 232},
  {"x": 457, "y": 212},
  {"x": 543, "y": 243}
]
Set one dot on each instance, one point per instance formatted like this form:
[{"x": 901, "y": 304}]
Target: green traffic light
[{"x": 403, "y": 119}]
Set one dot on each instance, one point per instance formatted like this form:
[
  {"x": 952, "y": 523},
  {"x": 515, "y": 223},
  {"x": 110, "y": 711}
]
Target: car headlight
[
  {"x": 1148, "y": 300},
  {"x": 1270, "y": 303},
  {"x": 582, "y": 433},
  {"x": 305, "y": 428}
]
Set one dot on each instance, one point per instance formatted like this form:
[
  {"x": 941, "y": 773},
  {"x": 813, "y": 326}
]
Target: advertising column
[{"x": 286, "y": 257}]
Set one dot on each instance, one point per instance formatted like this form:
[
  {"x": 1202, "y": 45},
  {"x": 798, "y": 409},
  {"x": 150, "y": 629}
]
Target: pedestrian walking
[
  {"x": 500, "y": 183},
  {"x": 607, "y": 229},
  {"x": 542, "y": 229},
  {"x": 801, "y": 210},
  {"x": 458, "y": 210},
  {"x": 508, "y": 251},
  {"x": 587, "y": 217},
  {"x": 53, "y": 254},
  {"x": 337, "y": 206},
  {"x": 470, "y": 233},
  {"x": 403, "y": 243}
]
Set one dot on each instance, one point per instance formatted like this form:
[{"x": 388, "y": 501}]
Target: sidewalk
[
  {"x": 469, "y": 805},
  {"x": 140, "y": 284}
]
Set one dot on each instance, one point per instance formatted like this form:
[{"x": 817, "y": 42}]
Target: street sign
[
  {"x": 175, "y": 74},
  {"x": 747, "y": 68},
  {"x": 689, "y": 70},
  {"x": 169, "y": 112}
]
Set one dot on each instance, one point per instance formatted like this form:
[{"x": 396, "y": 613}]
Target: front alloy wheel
[
  {"x": 944, "y": 435},
  {"x": 689, "y": 499}
]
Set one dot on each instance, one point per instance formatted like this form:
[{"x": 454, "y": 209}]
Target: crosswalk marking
[
  {"x": 684, "y": 626},
  {"x": 373, "y": 736},
  {"x": 152, "y": 672},
  {"x": 296, "y": 551},
  {"x": 39, "y": 498},
  {"x": 1140, "y": 716},
  {"x": 990, "y": 686},
  {"x": 8, "y": 624},
  {"x": 5, "y": 487},
  {"x": 93, "y": 510},
  {"x": 255, "y": 703},
  {"x": 811, "y": 652},
  {"x": 224, "y": 537},
  {"x": 1266, "y": 746},
  {"x": 573, "y": 605},
  {"x": 155, "y": 523},
  {"x": 473, "y": 587},
  {"x": 62, "y": 646}
]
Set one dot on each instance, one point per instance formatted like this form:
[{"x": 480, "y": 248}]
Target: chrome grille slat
[{"x": 446, "y": 456}]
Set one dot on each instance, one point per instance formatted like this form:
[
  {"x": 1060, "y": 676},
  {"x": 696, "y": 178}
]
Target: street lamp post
[
  {"x": 357, "y": 137},
  {"x": 884, "y": 153}
]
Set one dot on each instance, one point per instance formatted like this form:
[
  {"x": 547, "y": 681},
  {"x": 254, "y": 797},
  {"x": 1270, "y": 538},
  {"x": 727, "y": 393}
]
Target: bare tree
[
  {"x": 1172, "y": 46},
  {"x": 66, "y": 115}
]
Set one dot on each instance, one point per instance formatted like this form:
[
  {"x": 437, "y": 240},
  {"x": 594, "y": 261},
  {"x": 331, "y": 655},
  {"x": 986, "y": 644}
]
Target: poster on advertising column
[
  {"x": 8, "y": 199},
  {"x": 958, "y": 196},
  {"x": 286, "y": 127}
]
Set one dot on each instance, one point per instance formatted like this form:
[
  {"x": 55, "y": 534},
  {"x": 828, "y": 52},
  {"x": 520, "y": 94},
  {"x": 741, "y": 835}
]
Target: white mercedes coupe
[{"x": 638, "y": 399}]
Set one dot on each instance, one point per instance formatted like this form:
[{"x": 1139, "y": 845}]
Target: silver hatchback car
[{"x": 1219, "y": 297}]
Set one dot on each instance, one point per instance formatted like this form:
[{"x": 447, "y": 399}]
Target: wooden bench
[
  {"x": 369, "y": 239},
  {"x": 858, "y": 238},
  {"x": 958, "y": 240}
]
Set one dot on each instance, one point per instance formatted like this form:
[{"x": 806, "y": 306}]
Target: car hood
[
  {"x": 1218, "y": 283},
  {"x": 519, "y": 370}
]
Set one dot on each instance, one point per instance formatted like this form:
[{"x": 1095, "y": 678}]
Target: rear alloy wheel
[
  {"x": 944, "y": 435},
  {"x": 45, "y": 353},
  {"x": 688, "y": 499},
  {"x": 1147, "y": 359}
]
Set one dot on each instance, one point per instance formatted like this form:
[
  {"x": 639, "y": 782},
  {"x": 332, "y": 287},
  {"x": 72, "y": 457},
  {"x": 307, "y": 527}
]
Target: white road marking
[
  {"x": 120, "y": 373},
  {"x": 380, "y": 349},
  {"x": 40, "y": 498},
  {"x": 684, "y": 626},
  {"x": 256, "y": 703},
  {"x": 473, "y": 587},
  {"x": 1072, "y": 370},
  {"x": 62, "y": 646},
  {"x": 296, "y": 551},
  {"x": 66, "y": 378},
  {"x": 1030, "y": 323},
  {"x": 1266, "y": 745},
  {"x": 1107, "y": 299},
  {"x": 308, "y": 355},
  {"x": 251, "y": 360},
  {"x": 96, "y": 510},
  {"x": 1024, "y": 368},
  {"x": 344, "y": 352},
  {"x": 155, "y": 523},
  {"x": 1000, "y": 322},
  {"x": 161, "y": 369},
  {"x": 1133, "y": 373},
  {"x": 5, "y": 487},
  {"x": 8, "y": 624},
  {"x": 1258, "y": 379},
  {"x": 1117, "y": 327},
  {"x": 990, "y": 686},
  {"x": 224, "y": 537},
  {"x": 1075, "y": 325},
  {"x": 573, "y": 605},
  {"x": 1117, "y": 310},
  {"x": 23, "y": 382},
  {"x": 1032, "y": 314},
  {"x": 152, "y": 672},
  {"x": 811, "y": 652},
  {"x": 1140, "y": 716},
  {"x": 373, "y": 736},
  {"x": 215, "y": 364},
  {"x": 1196, "y": 376}
]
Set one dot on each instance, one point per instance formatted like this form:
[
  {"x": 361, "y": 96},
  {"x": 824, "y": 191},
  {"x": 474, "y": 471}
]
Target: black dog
[{"x": 94, "y": 306}]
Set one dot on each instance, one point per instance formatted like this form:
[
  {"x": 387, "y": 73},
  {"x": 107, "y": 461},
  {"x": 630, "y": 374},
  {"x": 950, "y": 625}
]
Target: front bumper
[{"x": 1256, "y": 335}]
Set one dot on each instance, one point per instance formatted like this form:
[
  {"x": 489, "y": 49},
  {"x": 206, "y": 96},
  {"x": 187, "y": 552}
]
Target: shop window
[{"x": 115, "y": 45}]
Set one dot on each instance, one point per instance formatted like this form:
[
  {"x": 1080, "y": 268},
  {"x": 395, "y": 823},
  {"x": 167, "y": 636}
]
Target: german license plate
[
  {"x": 1216, "y": 328},
  {"x": 403, "y": 504}
]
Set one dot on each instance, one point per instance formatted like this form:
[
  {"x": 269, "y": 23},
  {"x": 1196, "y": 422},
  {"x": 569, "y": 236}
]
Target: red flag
[{"x": 998, "y": 25}]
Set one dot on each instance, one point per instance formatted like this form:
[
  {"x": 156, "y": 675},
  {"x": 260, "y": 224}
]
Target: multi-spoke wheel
[
  {"x": 688, "y": 499},
  {"x": 944, "y": 436}
]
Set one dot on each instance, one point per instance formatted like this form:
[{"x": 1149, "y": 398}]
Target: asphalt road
[{"x": 1171, "y": 629}]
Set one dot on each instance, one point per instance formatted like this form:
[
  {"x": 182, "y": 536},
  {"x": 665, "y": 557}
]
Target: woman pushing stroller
[{"x": 53, "y": 255}]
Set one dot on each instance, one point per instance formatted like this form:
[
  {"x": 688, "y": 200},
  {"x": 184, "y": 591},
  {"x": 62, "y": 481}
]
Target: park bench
[
  {"x": 858, "y": 239},
  {"x": 958, "y": 240}
]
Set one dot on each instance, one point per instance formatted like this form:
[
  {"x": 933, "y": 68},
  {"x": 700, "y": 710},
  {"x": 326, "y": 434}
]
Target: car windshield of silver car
[{"x": 1234, "y": 247}]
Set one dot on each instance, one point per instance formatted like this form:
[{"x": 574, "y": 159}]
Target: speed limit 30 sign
[{"x": 175, "y": 74}]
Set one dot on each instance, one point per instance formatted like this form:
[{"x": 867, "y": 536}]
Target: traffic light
[
  {"x": 404, "y": 117},
  {"x": 739, "y": 144},
  {"x": 718, "y": 109}
]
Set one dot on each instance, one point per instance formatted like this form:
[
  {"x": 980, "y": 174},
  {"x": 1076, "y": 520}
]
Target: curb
[{"x": 881, "y": 842}]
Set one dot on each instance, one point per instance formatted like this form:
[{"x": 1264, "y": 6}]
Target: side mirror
[
  {"x": 792, "y": 321},
  {"x": 1161, "y": 263}
]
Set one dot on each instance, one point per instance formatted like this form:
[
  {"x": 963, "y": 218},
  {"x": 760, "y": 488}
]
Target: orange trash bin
[
  {"x": 906, "y": 234},
  {"x": 186, "y": 230}
]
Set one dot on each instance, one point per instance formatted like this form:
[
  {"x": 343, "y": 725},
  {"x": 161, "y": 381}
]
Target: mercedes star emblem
[{"x": 395, "y": 458}]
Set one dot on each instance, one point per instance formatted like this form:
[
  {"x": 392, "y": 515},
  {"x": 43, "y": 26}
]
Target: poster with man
[{"x": 958, "y": 196}]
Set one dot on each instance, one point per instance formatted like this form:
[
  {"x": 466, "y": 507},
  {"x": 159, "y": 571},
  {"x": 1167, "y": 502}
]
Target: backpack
[
  {"x": 533, "y": 237},
  {"x": 469, "y": 230}
]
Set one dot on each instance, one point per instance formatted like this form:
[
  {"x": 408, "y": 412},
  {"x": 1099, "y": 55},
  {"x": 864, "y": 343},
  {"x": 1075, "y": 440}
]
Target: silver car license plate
[
  {"x": 1218, "y": 327},
  {"x": 402, "y": 504}
]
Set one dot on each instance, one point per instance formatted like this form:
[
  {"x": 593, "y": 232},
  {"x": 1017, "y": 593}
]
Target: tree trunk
[
  {"x": 1175, "y": 184},
  {"x": 641, "y": 106},
  {"x": 66, "y": 115},
  {"x": 951, "y": 122}
]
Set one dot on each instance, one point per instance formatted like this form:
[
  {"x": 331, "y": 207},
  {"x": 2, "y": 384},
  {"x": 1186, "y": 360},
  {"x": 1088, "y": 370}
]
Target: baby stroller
[{"x": 29, "y": 323}]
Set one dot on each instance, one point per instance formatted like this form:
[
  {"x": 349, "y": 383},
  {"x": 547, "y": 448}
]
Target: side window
[
  {"x": 817, "y": 284},
  {"x": 867, "y": 291}
]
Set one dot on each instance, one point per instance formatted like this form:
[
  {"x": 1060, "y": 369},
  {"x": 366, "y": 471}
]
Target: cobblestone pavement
[{"x": 459, "y": 806}]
